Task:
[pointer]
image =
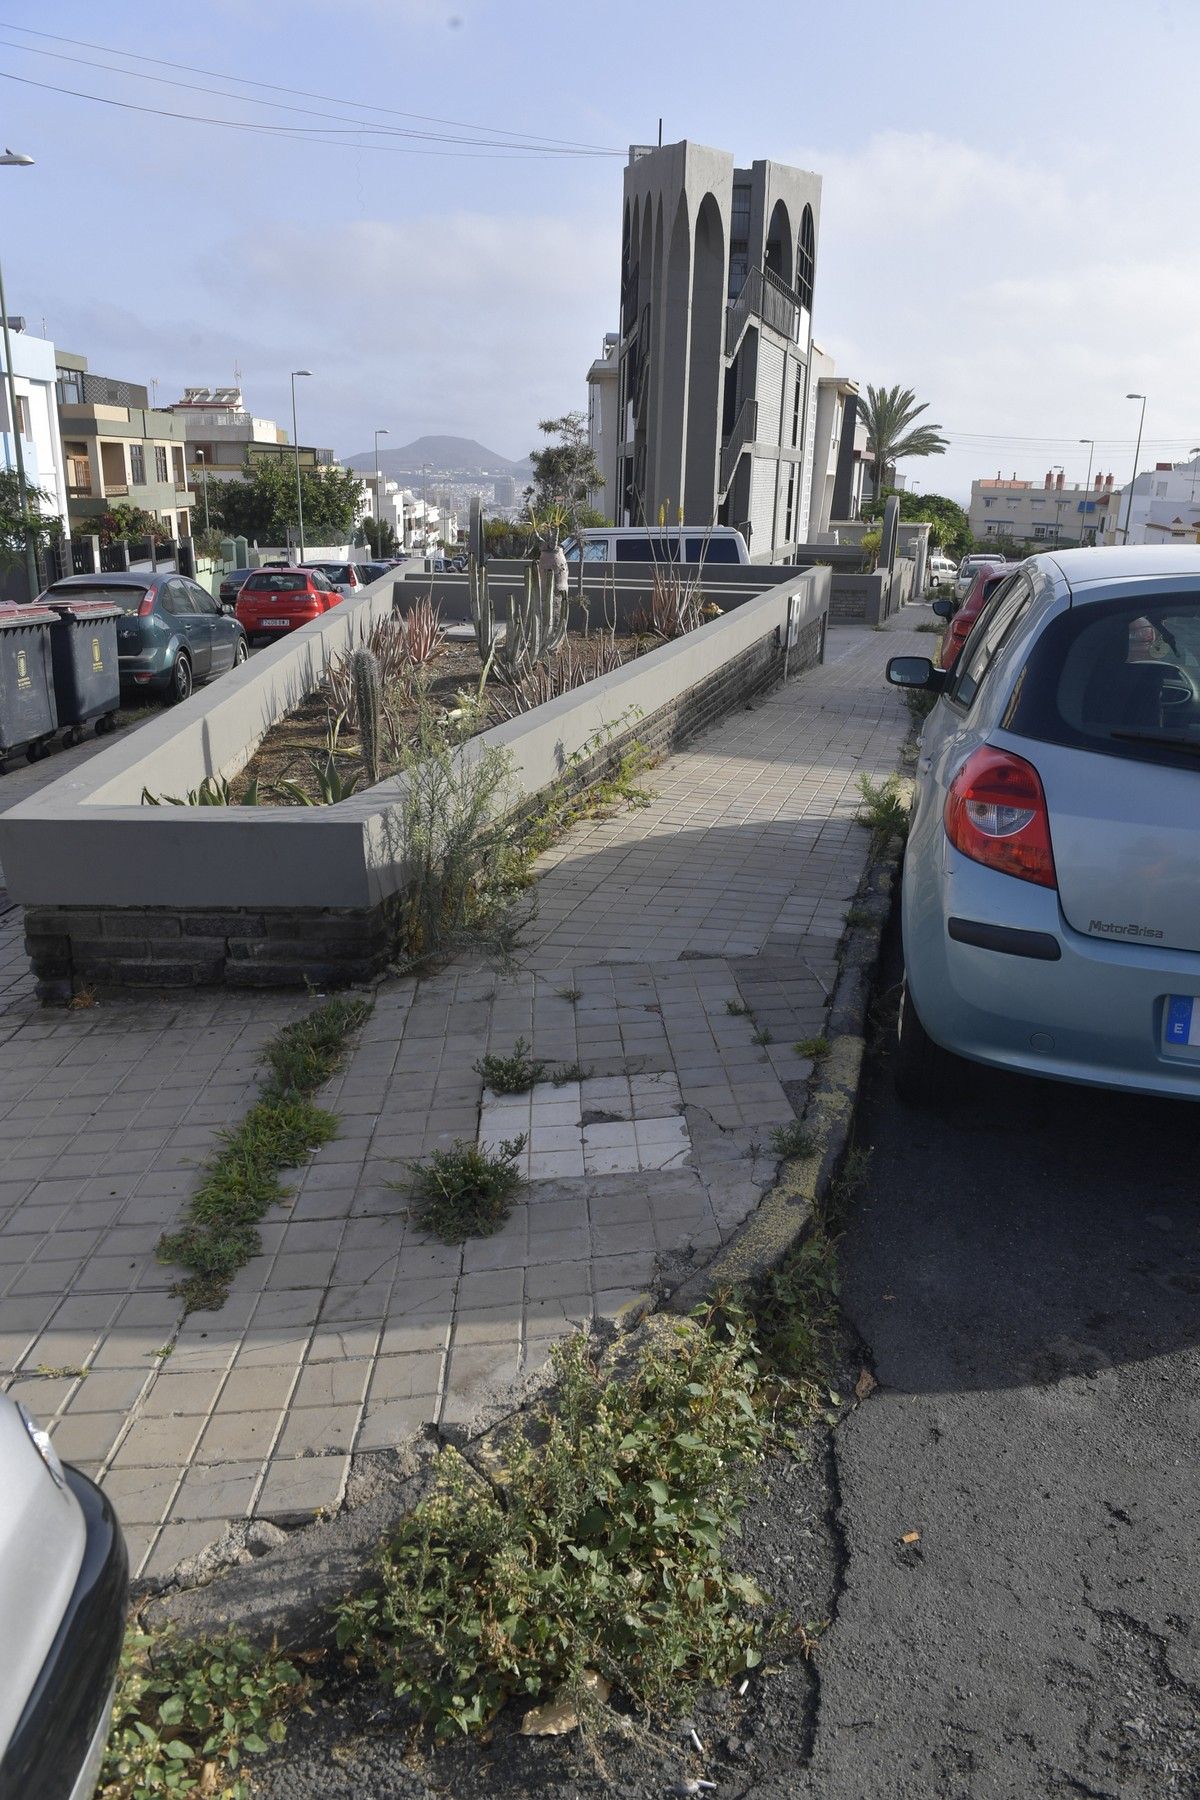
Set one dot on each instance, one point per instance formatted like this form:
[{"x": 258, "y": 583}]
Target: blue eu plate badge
[{"x": 1183, "y": 1019}]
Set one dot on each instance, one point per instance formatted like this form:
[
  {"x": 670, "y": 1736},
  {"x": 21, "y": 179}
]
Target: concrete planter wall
[{"x": 121, "y": 894}]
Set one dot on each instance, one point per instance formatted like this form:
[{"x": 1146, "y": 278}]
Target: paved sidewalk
[{"x": 680, "y": 954}]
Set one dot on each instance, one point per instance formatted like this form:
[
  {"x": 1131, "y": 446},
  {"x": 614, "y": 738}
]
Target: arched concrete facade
[
  {"x": 705, "y": 364},
  {"x": 679, "y": 207},
  {"x": 778, "y": 252},
  {"x": 667, "y": 482}
]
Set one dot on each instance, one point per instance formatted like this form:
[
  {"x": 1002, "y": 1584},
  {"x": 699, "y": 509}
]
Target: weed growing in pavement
[
  {"x": 571, "y": 994},
  {"x": 791, "y": 1139},
  {"x": 763, "y": 1035},
  {"x": 931, "y": 625},
  {"x": 814, "y": 1048},
  {"x": 883, "y": 809},
  {"x": 512, "y": 1074},
  {"x": 859, "y": 915},
  {"x": 186, "y": 1713},
  {"x": 737, "y": 1009},
  {"x": 242, "y": 1182},
  {"x": 598, "y": 1544},
  {"x": 566, "y": 803},
  {"x": 920, "y": 703},
  {"x": 465, "y": 1191}
]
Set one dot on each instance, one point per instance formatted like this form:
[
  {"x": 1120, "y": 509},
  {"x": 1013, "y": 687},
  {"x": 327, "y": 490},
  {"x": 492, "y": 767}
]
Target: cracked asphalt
[{"x": 1024, "y": 1271}]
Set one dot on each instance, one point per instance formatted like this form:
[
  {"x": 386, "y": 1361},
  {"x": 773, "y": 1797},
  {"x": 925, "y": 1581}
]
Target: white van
[
  {"x": 668, "y": 543},
  {"x": 940, "y": 571}
]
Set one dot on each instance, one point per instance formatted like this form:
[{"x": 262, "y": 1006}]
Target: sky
[{"x": 1010, "y": 217}]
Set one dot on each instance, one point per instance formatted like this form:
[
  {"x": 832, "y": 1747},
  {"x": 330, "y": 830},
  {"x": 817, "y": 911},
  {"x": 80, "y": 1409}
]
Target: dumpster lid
[
  {"x": 66, "y": 608},
  {"x": 13, "y": 616}
]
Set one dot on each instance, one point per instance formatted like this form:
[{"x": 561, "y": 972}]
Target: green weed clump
[
  {"x": 598, "y": 1545},
  {"x": 512, "y": 1074},
  {"x": 242, "y": 1182},
  {"x": 465, "y": 1191},
  {"x": 883, "y": 809},
  {"x": 186, "y": 1714}
]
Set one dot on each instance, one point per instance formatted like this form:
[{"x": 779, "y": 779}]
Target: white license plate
[
  {"x": 1182, "y": 1020},
  {"x": 277, "y": 624}
]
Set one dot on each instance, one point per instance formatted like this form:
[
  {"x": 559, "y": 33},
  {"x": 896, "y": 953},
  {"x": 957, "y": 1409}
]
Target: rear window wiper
[{"x": 1163, "y": 739}]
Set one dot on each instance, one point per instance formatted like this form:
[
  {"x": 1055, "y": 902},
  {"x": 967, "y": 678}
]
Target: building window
[
  {"x": 1160, "y": 487},
  {"x": 160, "y": 463},
  {"x": 791, "y": 502},
  {"x": 739, "y": 239},
  {"x": 799, "y": 395},
  {"x": 806, "y": 258},
  {"x": 70, "y": 387},
  {"x": 23, "y": 416},
  {"x": 137, "y": 465}
]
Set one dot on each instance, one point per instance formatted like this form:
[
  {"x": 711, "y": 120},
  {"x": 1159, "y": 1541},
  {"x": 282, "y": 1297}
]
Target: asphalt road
[{"x": 1024, "y": 1269}]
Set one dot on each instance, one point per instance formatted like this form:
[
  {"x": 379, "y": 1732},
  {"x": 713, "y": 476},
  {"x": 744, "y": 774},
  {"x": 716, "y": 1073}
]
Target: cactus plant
[{"x": 368, "y": 707}]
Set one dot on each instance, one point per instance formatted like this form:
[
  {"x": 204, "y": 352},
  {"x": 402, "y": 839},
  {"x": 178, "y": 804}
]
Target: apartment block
[
  {"x": 224, "y": 438},
  {"x": 118, "y": 449},
  {"x": 714, "y": 409},
  {"x": 1044, "y": 513}
]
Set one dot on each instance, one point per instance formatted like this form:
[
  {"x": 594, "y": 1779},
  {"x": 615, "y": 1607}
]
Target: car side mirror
[
  {"x": 227, "y": 608},
  {"x": 915, "y": 672},
  {"x": 943, "y": 608}
]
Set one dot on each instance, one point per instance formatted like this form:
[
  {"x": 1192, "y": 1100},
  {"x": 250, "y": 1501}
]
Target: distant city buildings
[{"x": 1045, "y": 513}]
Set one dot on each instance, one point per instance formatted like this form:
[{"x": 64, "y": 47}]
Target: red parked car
[
  {"x": 272, "y": 601},
  {"x": 987, "y": 579}
]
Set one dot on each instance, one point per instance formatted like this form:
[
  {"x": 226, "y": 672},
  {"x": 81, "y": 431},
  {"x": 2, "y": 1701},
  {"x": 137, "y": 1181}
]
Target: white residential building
[
  {"x": 603, "y": 387},
  {"x": 34, "y": 376},
  {"x": 221, "y": 434},
  {"x": 1164, "y": 509}
]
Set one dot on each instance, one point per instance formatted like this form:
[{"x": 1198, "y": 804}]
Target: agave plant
[
  {"x": 214, "y": 790},
  {"x": 331, "y": 784},
  {"x": 424, "y": 634}
]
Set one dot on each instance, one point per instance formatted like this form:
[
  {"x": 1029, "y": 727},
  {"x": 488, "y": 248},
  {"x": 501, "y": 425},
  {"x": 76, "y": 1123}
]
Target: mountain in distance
[{"x": 444, "y": 453}]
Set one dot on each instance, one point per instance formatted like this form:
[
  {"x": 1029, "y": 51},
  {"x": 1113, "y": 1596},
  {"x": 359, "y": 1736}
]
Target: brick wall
[{"x": 163, "y": 947}]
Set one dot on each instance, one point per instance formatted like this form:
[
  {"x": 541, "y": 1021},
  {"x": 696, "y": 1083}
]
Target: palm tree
[{"x": 888, "y": 413}]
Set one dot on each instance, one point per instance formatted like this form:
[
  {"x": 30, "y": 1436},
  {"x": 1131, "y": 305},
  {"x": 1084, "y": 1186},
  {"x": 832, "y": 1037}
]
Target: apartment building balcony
[{"x": 767, "y": 297}]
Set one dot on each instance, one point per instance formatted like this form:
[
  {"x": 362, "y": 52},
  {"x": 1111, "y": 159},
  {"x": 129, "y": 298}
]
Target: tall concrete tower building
[{"x": 714, "y": 408}]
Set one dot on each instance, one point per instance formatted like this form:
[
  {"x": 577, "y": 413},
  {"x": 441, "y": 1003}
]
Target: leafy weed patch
[{"x": 242, "y": 1182}]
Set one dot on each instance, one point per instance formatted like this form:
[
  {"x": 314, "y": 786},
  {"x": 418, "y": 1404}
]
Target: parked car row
[{"x": 1049, "y": 910}]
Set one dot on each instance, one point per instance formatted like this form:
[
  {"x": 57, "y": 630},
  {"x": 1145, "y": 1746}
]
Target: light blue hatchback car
[{"x": 1051, "y": 889}]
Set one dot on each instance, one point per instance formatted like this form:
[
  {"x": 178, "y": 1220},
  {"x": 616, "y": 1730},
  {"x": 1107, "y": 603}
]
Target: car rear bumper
[
  {"x": 274, "y": 624},
  {"x": 997, "y": 975},
  {"x": 60, "y": 1736}
]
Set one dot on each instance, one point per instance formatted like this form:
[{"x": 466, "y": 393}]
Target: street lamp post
[
  {"x": 1195, "y": 452},
  {"x": 1137, "y": 453},
  {"x": 296, "y": 443},
  {"x": 16, "y": 159},
  {"x": 381, "y": 432},
  {"x": 1087, "y": 487},
  {"x": 204, "y": 484},
  {"x": 1057, "y": 469}
]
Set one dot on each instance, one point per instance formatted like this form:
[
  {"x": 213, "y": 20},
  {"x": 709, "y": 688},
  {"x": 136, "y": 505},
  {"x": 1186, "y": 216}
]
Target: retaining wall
[{"x": 121, "y": 895}]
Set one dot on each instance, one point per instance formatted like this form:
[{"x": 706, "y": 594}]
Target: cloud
[{"x": 1018, "y": 296}]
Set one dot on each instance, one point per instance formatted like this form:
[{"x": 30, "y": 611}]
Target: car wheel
[
  {"x": 240, "y": 653},
  {"x": 181, "y": 680},
  {"x": 925, "y": 1073}
]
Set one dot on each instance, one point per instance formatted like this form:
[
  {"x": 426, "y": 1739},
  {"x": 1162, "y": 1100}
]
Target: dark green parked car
[{"x": 172, "y": 635}]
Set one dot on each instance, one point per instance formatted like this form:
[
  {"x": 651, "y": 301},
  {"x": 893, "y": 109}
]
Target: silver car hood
[{"x": 42, "y": 1539}]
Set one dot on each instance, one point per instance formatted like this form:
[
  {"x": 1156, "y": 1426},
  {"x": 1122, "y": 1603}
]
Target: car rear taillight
[
  {"x": 996, "y": 814},
  {"x": 146, "y": 605}
]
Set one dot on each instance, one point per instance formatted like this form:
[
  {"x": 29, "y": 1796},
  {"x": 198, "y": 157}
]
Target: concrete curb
[{"x": 785, "y": 1213}]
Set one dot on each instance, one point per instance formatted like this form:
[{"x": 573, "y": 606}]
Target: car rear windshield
[
  {"x": 271, "y": 583},
  {"x": 127, "y": 598},
  {"x": 333, "y": 571},
  {"x": 1119, "y": 677}
]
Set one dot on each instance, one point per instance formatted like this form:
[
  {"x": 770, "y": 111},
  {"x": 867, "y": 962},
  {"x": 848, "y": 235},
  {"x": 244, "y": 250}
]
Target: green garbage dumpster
[
  {"x": 28, "y": 719},
  {"x": 83, "y": 651}
]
